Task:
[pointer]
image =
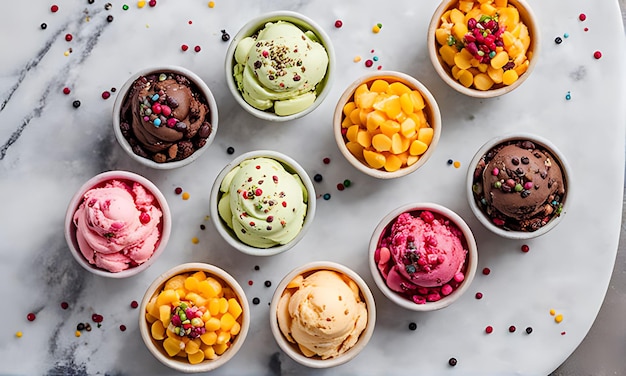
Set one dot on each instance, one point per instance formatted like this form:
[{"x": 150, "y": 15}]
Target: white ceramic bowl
[
  {"x": 291, "y": 349},
  {"x": 70, "y": 229},
  {"x": 203, "y": 89},
  {"x": 484, "y": 219},
  {"x": 181, "y": 364},
  {"x": 471, "y": 260},
  {"x": 431, "y": 111},
  {"x": 228, "y": 234},
  {"x": 526, "y": 15},
  {"x": 256, "y": 24}
]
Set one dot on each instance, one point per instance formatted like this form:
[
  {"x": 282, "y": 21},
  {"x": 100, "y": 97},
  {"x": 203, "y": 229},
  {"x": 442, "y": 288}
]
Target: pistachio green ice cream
[
  {"x": 264, "y": 204},
  {"x": 280, "y": 67}
]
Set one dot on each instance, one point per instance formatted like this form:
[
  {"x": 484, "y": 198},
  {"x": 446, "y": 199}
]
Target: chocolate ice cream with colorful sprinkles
[
  {"x": 165, "y": 117},
  {"x": 519, "y": 185}
]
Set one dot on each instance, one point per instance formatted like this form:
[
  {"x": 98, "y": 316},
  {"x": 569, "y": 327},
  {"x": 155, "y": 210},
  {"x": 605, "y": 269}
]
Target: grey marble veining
[{"x": 48, "y": 149}]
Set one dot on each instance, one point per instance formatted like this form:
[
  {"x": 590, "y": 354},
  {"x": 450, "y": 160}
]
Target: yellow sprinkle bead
[
  {"x": 375, "y": 29},
  {"x": 558, "y": 318},
  {"x": 195, "y": 240},
  {"x": 211, "y": 4},
  {"x": 66, "y": 53},
  {"x": 141, "y": 4},
  {"x": 185, "y": 195},
  {"x": 18, "y": 334},
  {"x": 457, "y": 164},
  {"x": 77, "y": 333},
  {"x": 552, "y": 312},
  {"x": 357, "y": 59}
]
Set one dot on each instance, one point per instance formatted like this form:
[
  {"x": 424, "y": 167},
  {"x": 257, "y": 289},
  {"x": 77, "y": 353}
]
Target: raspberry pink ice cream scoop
[
  {"x": 117, "y": 225},
  {"x": 422, "y": 256}
]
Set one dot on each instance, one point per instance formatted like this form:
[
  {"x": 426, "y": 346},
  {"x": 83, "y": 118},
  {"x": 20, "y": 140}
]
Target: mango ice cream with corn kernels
[
  {"x": 422, "y": 256},
  {"x": 280, "y": 68},
  {"x": 322, "y": 313},
  {"x": 264, "y": 204},
  {"x": 117, "y": 225}
]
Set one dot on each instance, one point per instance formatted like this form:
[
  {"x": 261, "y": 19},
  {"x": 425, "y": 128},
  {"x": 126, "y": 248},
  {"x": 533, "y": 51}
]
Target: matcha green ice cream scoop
[
  {"x": 262, "y": 203},
  {"x": 280, "y": 68}
]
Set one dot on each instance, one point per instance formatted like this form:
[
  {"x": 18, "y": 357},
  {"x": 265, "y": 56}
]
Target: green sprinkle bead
[
  {"x": 518, "y": 187},
  {"x": 347, "y": 183},
  {"x": 497, "y": 185},
  {"x": 125, "y": 7}
]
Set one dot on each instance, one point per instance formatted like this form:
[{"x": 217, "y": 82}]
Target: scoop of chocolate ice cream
[
  {"x": 519, "y": 185},
  {"x": 165, "y": 117}
]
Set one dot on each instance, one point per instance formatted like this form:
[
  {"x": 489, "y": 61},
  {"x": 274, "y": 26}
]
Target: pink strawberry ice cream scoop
[
  {"x": 117, "y": 225},
  {"x": 422, "y": 256}
]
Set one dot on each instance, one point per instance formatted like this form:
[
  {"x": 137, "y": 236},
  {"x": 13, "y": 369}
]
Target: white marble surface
[{"x": 48, "y": 149}]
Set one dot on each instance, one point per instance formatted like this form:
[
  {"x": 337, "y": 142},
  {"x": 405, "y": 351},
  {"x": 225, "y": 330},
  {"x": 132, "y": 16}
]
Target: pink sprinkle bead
[
  {"x": 495, "y": 171},
  {"x": 459, "y": 277},
  {"x": 528, "y": 185},
  {"x": 446, "y": 289},
  {"x": 433, "y": 297},
  {"x": 146, "y": 118},
  {"x": 171, "y": 122}
]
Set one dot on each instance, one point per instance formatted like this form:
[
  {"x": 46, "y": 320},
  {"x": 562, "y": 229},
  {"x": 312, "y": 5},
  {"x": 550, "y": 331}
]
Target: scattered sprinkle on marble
[
  {"x": 152, "y": 3},
  {"x": 31, "y": 317},
  {"x": 68, "y": 37},
  {"x": 558, "y": 318},
  {"x": 202, "y": 227},
  {"x": 108, "y": 6},
  {"x": 525, "y": 248},
  {"x": 452, "y": 362},
  {"x": 568, "y": 96},
  {"x": 256, "y": 267},
  {"x": 125, "y": 7},
  {"x": 369, "y": 63},
  {"x": 566, "y": 35},
  {"x": 529, "y": 330},
  {"x": 486, "y": 271},
  {"x": 197, "y": 48},
  {"x": 185, "y": 196},
  {"x": 134, "y": 304},
  {"x": 65, "y": 305},
  {"x": 97, "y": 318},
  {"x": 340, "y": 187},
  {"x": 457, "y": 164},
  {"x": 512, "y": 328},
  {"x": 586, "y": 29},
  {"x": 376, "y": 28},
  {"x": 106, "y": 95},
  {"x": 250, "y": 282},
  {"x": 597, "y": 54},
  {"x": 109, "y": 18},
  {"x": 76, "y": 104},
  {"x": 19, "y": 334},
  {"x": 230, "y": 150},
  {"x": 184, "y": 47},
  {"x": 66, "y": 90},
  {"x": 489, "y": 329},
  {"x": 256, "y": 301},
  {"x": 225, "y": 36},
  {"x": 326, "y": 160},
  {"x": 141, "y": 4},
  {"x": 178, "y": 190},
  {"x": 562, "y": 333},
  {"x": 123, "y": 328},
  {"x": 54, "y": 8},
  {"x": 77, "y": 333},
  {"x": 268, "y": 283},
  {"x": 479, "y": 295},
  {"x": 318, "y": 178},
  {"x": 195, "y": 240},
  {"x": 326, "y": 196},
  {"x": 211, "y": 4},
  {"x": 582, "y": 16},
  {"x": 450, "y": 161},
  {"x": 44, "y": 26},
  {"x": 338, "y": 24},
  {"x": 357, "y": 59},
  {"x": 558, "y": 40},
  {"x": 412, "y": 326}
]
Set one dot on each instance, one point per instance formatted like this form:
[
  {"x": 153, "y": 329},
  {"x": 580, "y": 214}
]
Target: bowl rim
[
  {"x": 200, "y": 84},
  {"x": 533, "y": 28},
  {"x": 256, "y": 24},
  {"x": 204, "y": 366},
  {"x": 434, "y": 119},
  {"x": 77, "y": 198},
  {"x": 365, "y": 336},
  {"x": 227, "y": 233},
  {"x": 472, "y": 256},
  {"x": 513, "y": 136}
]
